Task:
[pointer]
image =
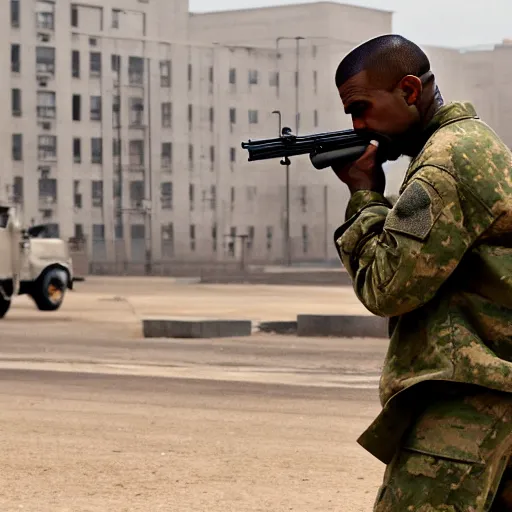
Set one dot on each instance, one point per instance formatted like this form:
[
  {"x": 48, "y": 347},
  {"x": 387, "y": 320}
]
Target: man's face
[{"x": 383, "y": 112}]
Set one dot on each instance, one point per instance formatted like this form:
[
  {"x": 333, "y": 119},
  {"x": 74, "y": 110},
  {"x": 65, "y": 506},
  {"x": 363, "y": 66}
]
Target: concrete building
[{"x": 127, "y": 116}]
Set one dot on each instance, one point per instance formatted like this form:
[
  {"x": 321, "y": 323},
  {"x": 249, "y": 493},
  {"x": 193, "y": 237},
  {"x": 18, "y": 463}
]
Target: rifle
[{"x": 324, "y": 149}]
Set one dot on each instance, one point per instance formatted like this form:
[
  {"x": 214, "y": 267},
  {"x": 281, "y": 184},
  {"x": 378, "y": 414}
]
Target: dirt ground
[{"x": 95, "y": 418}]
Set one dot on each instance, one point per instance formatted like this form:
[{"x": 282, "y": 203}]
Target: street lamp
[{"x": 286, "y": 161}]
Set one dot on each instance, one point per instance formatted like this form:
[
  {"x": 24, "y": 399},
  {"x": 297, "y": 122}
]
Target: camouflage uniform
[{"x": 439, "y": 264}]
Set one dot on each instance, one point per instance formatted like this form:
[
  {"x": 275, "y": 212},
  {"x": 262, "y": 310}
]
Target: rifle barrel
[{"x": 291, "y": 145}]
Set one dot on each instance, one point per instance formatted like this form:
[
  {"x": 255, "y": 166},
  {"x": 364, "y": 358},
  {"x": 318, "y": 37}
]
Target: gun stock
[{"x": 324, "y": 149}]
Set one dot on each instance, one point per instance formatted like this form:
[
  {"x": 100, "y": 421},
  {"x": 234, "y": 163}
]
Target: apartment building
[{"x": 127, "y": 116}]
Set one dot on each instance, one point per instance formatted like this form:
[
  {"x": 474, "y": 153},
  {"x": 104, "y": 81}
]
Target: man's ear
[{"x": 412, "y": 88}]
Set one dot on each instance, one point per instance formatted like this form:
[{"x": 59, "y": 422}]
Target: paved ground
[{"x": 94, "y": 418}]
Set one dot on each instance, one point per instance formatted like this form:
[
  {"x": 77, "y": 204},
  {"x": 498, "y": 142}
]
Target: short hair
[{"x": 386, "y": 58}]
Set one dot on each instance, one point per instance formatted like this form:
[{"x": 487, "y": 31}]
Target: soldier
[{"x": 438, "y": 264}]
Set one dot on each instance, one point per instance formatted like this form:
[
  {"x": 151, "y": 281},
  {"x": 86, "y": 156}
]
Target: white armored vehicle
[{"x": 31, "y": 264}]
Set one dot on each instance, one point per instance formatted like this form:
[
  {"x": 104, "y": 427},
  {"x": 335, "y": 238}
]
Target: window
[
  {"x": 79, "y": 231},
  {"x": 210, "y": 75},
  {"x": 16, "y": 102},
  {"x": 191, "y": 196},
  {"x": 232, "y": 155},
  {"x": 166, "y": 155},
  {"x": 190, "y": 77},
  {"x": 45, "y": 15},
  {"x": 191, "y": 157},
  {"x": 296, "y": 79},
  {"x": 48, "y": 190},
  {"x": 253, "y": 77},
  {"x": 315, "y": 116},
  {"x": 77, "y": 107},
  {"x": 168, "y": 240},
  {"x": 15, "y": 13},
  {"x": 47, "y": 147},
  {"x": 166, "y": 115},
  {"x": 166, "y": 192},
  {"x": 231, "y": 244},
  {"x": 75, "y": 64},
  {"x": 136, "y": 153},
  {"x": 45, "y": 60},
  {"x": 212, "y": 118},
  {"x": 116, "y": 112},
  {"x": 274, "y": 79},
  {"x": 232, "y": 198},
  {"x": 17, "y": 190},
  {"x": 253, "y": 117},
  {"x": 115, "y": 63},
  {"x": 74, "y": 16},
  {"x": 305, "y": 239},
  {"x": 190, "y": 117},
  {"x": 136, "y": 70},
  {"x": 96, "y": 150},
  {"x": 232, "y": 76},
  {"x": 98, "y": 232},
  {"x": 137, "y": 193},
  {"x": 212, "y": 158},
  {"x": 315, "y": 81},
  {"x": 214, "y": 238},
  {"x": 97, "y": 193},
  {"x": 77, "y": 197},
  {"x": 15, "y": 58},
  {"x": 270, "y": 235},
  {"x": 303, "y": 199},
  {"x": 116, "y": 147},
  {"x": 95, "y": 64},
  {"x": 95, "y": 108},
  {"x": 136, "y": 111},
  {"x": 115, "y": 18},
  {"x": 46, "y": 105},
  {"x": 165, "y": 73},
  {"x": 232, "y": 115},
  {"x": 192, "y": 237},
  {"x": 213, "y": 197},
  {"x": 17, "y": 147},
  {"x": 250, "y": 237},
  {"x": 77, "y": 150}
]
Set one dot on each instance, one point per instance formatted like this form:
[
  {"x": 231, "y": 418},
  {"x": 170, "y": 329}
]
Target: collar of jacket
[{"x": 450, "y": 113}]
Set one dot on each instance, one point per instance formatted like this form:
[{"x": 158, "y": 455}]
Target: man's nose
[{"x": 358, "y": 124}]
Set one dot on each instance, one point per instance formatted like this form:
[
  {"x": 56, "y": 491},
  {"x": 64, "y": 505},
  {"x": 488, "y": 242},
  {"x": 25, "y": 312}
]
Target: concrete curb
[
  {"x": 193, "y": 328},
  {"x": 280, "y": 327},
  {"x": 343, "y": 326}
]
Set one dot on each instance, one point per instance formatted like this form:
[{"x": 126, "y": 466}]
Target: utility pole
[
  {"x": 286, "y": 161},
  {"x": 149, "y": 187}
]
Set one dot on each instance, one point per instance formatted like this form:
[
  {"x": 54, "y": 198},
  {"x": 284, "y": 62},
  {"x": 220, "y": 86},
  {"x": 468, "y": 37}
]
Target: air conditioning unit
[
  {"x": 44, "y": 38},
  {"x": 42, "y": 83},
  {"x": 46, "y": 125},
  {"x": 47, "y": 214}
]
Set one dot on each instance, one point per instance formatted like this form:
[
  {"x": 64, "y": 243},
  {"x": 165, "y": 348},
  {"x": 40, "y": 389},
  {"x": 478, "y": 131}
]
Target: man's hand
[{"x": 363, "y": 174}]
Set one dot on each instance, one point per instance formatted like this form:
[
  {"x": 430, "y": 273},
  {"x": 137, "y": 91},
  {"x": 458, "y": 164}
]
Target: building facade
[{"x": 127, "y": 116}]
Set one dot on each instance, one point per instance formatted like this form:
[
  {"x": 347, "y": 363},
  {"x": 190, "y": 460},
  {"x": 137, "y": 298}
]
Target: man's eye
[{"x": 358, "y": 110}]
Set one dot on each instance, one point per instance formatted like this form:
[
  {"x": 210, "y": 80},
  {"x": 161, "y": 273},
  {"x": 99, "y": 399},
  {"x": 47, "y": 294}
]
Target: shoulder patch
[{"x": 412, "y": 214}]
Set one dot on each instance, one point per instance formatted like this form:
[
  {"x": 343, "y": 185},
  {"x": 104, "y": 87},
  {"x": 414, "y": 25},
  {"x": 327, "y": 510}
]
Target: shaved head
[{"x": 386, "y": 60}]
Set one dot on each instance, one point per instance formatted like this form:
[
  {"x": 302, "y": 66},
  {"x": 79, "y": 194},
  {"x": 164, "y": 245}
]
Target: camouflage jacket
[{"x": 439, "y": 264}]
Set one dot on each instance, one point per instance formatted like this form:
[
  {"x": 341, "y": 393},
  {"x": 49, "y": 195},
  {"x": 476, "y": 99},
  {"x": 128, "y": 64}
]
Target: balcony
[
  {"x": 166, "y": 202},
  {"x": 45, "y": 21},
  {"x": 47, "y": 202},
  {"x": 45, "y": 112},
  {"x": 45, "y": 70}
]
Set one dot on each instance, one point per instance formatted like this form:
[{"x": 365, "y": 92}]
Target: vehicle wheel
[
  {"x": 49, "y": 289},
  {"x": 4, "y": 306}
]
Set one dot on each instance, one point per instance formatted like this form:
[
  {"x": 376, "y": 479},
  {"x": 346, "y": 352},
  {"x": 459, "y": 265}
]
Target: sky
[{"x": 449, "y": 23}]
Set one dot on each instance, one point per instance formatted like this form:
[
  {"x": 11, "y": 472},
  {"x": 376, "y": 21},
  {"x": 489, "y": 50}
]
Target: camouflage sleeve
[{"x": 398, "y": 256}]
